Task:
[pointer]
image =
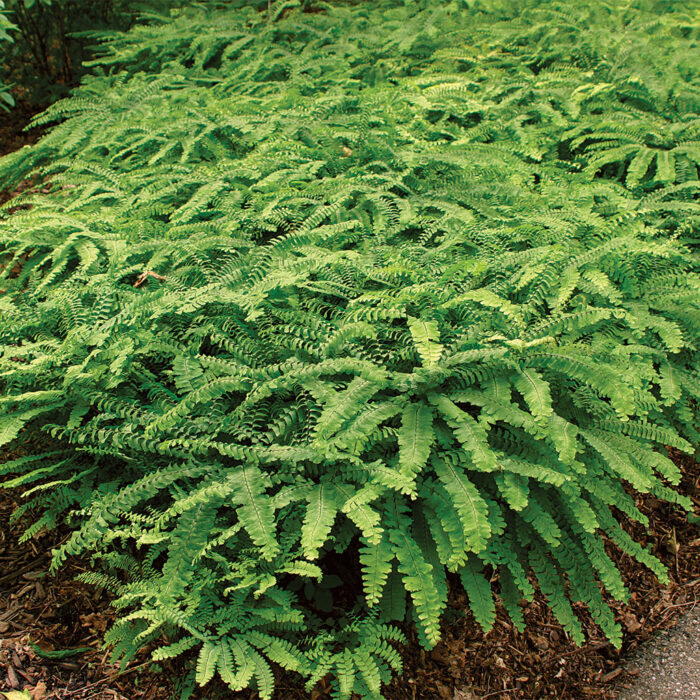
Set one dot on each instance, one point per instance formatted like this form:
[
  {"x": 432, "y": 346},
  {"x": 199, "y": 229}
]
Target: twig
[
  {"x": 109, "y": 679},
  {"x": 31, "y": 565},
  {"x": 499, "y": 692},
  {"x": 678, "y": 605},
  {"x": 145, "y": 275},
  {"x": 580, "y": 650},
  {"x": 21, "y": 570}
]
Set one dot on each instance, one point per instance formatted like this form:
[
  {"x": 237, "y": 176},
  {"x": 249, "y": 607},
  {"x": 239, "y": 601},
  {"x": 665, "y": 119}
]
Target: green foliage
[
  {"x": 323, "y": 307},
  {"x": 6, "y": 28},
  {"x": 57, "y": 653}
]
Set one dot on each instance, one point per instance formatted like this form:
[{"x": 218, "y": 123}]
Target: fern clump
[{"x": 382, "y": 290}]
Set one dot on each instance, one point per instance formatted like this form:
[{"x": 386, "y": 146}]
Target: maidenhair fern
[{"x": 389, "y": 289}]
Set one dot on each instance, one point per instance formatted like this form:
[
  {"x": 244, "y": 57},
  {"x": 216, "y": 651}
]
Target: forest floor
[
  {"x": 40, "y": 613},
  {"x": 12, "y": 127}
]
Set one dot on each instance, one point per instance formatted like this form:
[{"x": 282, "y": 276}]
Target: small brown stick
[
  {"x": 145, "y": 275},
  {"x": 20, "y": 571},
  {"x": 499, "y": 692},
  {"x": 109, "y": 679},
  {"x": 678, "y": 605},
  {"x": 580, "y": 650}
]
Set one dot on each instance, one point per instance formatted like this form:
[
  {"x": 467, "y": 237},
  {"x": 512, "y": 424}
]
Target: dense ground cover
[
  {"x": 57, "y": 613},
  {"x": 327, "y": 312}
]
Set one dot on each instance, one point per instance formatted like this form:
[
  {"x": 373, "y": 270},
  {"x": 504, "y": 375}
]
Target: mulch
[{"x": 57, "y": 613}]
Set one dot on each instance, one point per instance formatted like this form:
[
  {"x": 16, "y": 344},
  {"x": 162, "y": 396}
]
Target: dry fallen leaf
[
  {"x": 441, "y": 655},
  {"x": 444, "y": 692},
  {"x": 463, "y": 695},
  {"x": 39, "y": 691},
  {"x": 631, "y": 622}
]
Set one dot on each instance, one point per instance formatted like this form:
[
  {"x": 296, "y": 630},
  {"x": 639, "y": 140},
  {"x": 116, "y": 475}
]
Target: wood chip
[
  {"x": 27, "y": 676},
  {"x": 68, "y": 665},
  {"x": 610, "y": 676},
  {"x": 12, "y": 677}
]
